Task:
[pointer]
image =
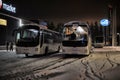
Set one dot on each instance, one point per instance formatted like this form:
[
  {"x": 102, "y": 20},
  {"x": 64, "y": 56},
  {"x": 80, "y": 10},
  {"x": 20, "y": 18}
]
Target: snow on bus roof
[
  {"x": 75, "y": 22},
  {"x": 33, "y": 24}
]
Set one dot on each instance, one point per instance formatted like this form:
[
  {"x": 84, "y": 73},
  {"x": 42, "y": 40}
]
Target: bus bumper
[
  {"x": 75, "y": 50},
  {"x": 27, "y": 50}
]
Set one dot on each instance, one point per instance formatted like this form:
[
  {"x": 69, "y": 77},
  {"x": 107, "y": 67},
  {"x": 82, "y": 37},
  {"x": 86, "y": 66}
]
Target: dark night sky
[{"x": 62, "y": 10}]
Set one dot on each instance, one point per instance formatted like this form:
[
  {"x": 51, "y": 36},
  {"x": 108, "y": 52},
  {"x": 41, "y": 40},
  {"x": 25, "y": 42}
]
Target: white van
[{"x": 99, "y": 42}]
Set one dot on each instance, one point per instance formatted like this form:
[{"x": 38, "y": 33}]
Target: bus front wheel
[
  {"x": 26, "y": 55},
  {"x": 46, "y": 50},
  {"x": 59, "y": 48}
]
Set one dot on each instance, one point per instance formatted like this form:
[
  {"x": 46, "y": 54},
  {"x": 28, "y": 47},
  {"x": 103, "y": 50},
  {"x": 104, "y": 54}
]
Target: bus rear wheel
[
  {"x": 26, "y": 55},
  {"x": 46, "y": 50},
  {"x": 58, "y": 49}
]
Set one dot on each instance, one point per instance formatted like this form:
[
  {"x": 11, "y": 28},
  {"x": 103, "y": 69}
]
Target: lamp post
[
  {"x": 118, "y": 39},
  {"x": 20, "y": 23},
  {"x": 105, "y": 23},
  {"x": 114, "y": 26},
  {"x": 113, "y": 18}
]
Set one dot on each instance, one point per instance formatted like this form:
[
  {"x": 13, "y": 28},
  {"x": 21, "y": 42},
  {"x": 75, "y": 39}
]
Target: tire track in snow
[
  {"x": 90, "y": 71},
  {"x": 86, "y": 70}
]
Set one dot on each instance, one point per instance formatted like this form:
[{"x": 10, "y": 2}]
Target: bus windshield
[
  {"x": 27, "y": 37},
  {"x": 29, "y": 33},
  {"x": 75, "y": 36},
  {"x": 75, "y": 32}
]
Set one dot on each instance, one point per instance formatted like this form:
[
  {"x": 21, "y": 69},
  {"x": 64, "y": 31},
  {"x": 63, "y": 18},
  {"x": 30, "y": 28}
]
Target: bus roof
[
  {"x": 75, "y": 22},
  {"x": 32, "y": 25},
  {"x": 36, "y": 26}
]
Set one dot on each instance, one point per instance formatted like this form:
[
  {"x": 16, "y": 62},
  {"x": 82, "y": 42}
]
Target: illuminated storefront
[{"x": 7, "y": 23}]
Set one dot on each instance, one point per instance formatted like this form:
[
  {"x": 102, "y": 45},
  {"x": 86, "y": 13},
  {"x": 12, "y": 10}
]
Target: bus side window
[
  {"x": 54, "y": 37},
  {"x": 48, "y": 37}
]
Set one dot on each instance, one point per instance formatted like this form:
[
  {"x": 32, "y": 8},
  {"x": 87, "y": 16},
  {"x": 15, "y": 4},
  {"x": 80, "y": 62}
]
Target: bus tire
[
  {"x": 26, "y": 55},
  {"x": 46, "y": 50},
  {"x": 58, "y": 49}
]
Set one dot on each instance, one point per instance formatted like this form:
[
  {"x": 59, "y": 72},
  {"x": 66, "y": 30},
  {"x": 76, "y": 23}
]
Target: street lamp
[
  {"x": 113, "y": 18},
  {"x": 118, "y": 39},
  {"x": 105, "y": 23},
  {"x": 20, "y": 23}
]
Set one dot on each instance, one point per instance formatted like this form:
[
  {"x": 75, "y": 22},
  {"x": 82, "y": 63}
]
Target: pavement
[
  {"x": 3, "y": 47},
  {"x": 107, "y": 49}
]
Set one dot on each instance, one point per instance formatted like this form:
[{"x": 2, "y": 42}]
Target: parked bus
[
  {"x": 99, "y": 42},
  {"x": 36, "y": 39},
  {"x": 76, "y": 38}
]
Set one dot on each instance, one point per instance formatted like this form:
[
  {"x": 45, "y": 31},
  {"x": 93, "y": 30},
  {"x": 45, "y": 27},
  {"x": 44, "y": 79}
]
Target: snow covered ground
[{"x": 99, "y": 65}]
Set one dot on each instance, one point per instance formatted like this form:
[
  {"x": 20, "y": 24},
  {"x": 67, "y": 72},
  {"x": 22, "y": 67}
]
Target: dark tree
[
  {"x": 51, "y": 26},
  {"x": 59, "y": 27}
]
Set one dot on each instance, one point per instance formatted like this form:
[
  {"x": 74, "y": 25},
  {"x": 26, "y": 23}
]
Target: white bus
[
  {"x": 76, "y": 38},
  {"x": 35, "y": 39}
]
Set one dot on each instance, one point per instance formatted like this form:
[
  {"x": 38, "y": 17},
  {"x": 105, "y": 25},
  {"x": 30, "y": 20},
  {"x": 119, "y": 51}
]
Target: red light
[{"x": 0, "y": 4}]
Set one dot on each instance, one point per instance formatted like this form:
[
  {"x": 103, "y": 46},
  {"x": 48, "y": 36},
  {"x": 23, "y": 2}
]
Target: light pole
[
  {"x": 105, "y": 23},
  {"x": 114, "y": 26},
  {"x": 20, "y": 23},
  {"x": 118, "y": 39},
  {"x": 113, "y": 18}
]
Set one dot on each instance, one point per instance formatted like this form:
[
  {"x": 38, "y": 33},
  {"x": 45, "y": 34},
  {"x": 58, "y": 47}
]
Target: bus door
[{"x": 48, "y": 40}]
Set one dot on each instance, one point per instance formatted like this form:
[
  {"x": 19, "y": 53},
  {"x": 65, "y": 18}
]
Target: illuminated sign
[
  {"x": 3, "y": 22},
  {"x": 104, "y": 22},
  {"x": 7, "y": 7}
]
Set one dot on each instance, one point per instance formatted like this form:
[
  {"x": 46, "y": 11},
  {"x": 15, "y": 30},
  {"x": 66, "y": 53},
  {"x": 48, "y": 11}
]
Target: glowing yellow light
[{"x": 3, "y": 22}]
